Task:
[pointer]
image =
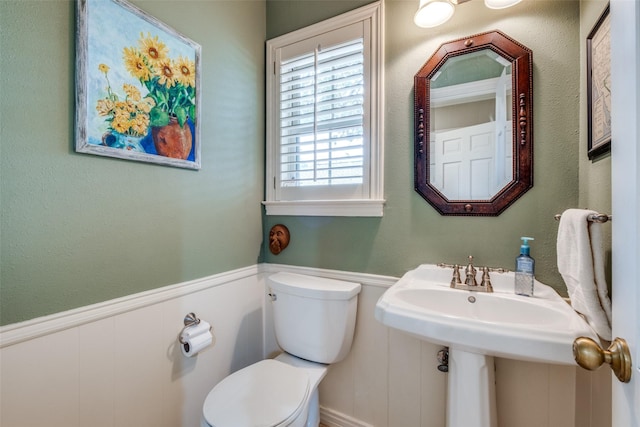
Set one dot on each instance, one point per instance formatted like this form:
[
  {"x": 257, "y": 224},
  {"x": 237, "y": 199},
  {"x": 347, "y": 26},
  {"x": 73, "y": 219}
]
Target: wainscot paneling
[
  {"x": 117, "y": 363},
  {"x": 391, "y": 379}
]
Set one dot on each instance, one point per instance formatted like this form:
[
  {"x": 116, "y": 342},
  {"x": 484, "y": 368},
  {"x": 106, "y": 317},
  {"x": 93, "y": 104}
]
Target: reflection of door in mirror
[{"x": 471, "y": 126}]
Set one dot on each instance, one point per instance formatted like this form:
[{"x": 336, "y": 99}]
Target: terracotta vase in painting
[{"x": 173, "y": 140}]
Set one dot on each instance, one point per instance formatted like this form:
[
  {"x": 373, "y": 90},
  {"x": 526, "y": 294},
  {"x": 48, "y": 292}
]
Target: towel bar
[{"x": 592, "y": 218}]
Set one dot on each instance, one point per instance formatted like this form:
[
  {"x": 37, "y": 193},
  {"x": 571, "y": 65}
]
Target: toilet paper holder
[{"x": 189, "y": 320}]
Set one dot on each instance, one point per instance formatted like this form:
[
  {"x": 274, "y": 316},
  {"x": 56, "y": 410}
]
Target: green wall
[
  {"x": 78, "y": 229},
  {"x": 411, "y": 231},
  {"x": 595, "y": 175}
]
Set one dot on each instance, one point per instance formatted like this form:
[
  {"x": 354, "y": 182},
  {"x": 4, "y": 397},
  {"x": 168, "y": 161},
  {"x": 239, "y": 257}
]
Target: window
[{"x": 324, "y": 118}]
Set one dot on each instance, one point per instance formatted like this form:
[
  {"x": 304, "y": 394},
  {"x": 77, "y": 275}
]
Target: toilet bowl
[
  {"x": 271, "y": 393},
  {"x": 314, "y": 321}
]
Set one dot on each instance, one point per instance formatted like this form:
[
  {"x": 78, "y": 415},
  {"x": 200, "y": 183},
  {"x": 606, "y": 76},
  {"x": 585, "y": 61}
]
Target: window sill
[{"x": 352, "y": 208}]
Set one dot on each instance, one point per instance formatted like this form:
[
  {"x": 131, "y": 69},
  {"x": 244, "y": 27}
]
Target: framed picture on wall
[
  {"x": 599, "y": 86},
  {"x": 137, "y": 86}
]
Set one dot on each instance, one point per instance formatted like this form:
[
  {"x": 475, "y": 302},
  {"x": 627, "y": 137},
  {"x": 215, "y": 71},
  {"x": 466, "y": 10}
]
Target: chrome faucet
[{"x": 470, "y": 282}]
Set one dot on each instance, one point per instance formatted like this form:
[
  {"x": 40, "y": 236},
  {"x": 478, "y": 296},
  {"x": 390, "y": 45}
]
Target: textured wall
[
  {"x": 595, "y": 175},
  {"x": 411, "y": 231},
  {"x": 78, "y": 229}
]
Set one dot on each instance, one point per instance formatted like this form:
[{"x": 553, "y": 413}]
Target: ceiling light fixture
[
  {"x": 500, "y": 4},
  {"x": 432, "y": 13}
]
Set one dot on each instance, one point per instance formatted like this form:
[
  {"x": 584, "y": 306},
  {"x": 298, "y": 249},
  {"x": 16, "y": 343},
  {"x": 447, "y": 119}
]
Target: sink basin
[
  {"x": 539, "y": 328},
  {"x": 482, "y": 307}
]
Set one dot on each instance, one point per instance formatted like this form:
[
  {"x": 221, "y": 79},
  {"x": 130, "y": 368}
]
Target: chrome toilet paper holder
[{"x": 190, "y": 320}]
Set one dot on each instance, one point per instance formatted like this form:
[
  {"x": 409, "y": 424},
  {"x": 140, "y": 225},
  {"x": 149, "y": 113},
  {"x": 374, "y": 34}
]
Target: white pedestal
[{"x": 472, "y": 392}]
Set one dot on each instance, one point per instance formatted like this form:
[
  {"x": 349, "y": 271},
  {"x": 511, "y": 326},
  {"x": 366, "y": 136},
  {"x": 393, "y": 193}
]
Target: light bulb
[
  {"x": 500, "y": 4},
  {"x": 432, "y": 13}
]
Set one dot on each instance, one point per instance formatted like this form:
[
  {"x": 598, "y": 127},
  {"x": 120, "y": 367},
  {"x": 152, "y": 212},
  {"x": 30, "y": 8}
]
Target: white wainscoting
[
  {"x": 391, "y": 379},
  {"x": 117, "y": 364}
]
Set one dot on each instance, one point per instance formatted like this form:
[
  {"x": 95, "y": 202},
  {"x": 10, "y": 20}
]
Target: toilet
[{"x": 314, "y": 320}]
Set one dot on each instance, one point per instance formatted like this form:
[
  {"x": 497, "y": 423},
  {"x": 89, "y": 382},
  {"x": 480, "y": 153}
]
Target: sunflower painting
[{"x": 136, "y": 86}]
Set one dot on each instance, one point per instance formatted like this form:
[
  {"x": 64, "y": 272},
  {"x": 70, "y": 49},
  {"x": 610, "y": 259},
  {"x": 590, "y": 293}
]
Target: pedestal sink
[{"x": 478, "y": 326}]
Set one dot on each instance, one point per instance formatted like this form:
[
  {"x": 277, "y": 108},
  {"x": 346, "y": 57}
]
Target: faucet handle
[
  {"x": 486, "y": 280},
  {"x": 455, "y": 279},
  {"x": 443, "y": 265}
]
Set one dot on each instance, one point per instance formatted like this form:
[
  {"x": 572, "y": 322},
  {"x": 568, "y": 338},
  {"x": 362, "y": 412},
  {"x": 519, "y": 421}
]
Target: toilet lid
[{"x": 266, "y": 394}]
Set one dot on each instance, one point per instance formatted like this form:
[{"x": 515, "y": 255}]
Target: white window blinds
[{"x": 322, "y": 116}]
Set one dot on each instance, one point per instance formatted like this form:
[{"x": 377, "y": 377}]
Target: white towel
[{"x": 581, "y": 264}]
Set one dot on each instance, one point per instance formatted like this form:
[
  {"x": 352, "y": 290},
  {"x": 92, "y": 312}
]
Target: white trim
[
  {"x": 362, "y": 278},
  {"x": 359, "y": 208},
  {"x": 332, "y": 418},
  {"x": 376, "y": 130},
  {"x": 347, "y": 18},
  {"x": 23, "y": 331},
  {"x": 625, "y": 201}
]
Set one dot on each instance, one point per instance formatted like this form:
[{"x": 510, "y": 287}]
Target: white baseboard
[{"x": 332, "y": 418}]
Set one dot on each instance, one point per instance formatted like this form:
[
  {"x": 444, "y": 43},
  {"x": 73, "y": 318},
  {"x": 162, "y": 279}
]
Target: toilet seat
[{"x": 266, "y": 394}]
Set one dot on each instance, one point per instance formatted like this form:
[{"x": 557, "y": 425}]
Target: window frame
[{"x": 370, "y": 204}]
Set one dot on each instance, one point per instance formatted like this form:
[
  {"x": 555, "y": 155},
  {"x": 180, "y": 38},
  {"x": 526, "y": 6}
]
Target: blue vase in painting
[{"x": 122, "y": 141}]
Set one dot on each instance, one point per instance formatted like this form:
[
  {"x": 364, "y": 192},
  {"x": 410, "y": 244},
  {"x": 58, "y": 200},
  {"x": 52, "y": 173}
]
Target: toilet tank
[{"x": 314, "y": 317}]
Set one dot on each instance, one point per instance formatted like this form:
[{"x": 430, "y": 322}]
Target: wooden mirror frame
[{"x": 522, "y": 114}]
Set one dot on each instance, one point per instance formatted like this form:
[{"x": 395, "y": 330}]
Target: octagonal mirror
[{"x": 473, "y": 125}]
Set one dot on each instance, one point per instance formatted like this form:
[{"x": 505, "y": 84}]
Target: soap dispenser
[{"x": 525, "y": 266}]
